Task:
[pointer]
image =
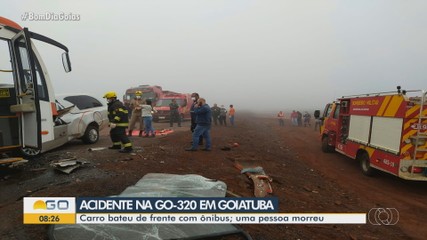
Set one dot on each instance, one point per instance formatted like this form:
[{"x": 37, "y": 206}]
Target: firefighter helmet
[
  {"x": 138, "y": 93},
  {"x": 110, "y": 95}
]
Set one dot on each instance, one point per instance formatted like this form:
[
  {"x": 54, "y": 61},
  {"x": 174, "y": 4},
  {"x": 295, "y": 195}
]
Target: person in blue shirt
[
  {"x": 203, "y": 119},
  {"x": 195, "y": 98}
]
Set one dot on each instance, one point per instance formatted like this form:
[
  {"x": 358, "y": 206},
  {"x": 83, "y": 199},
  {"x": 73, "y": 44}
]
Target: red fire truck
[
  {"x": 383, "y": 131},
  {"x": 148, "y": 92},
  {"x": 162, "y": 106}
]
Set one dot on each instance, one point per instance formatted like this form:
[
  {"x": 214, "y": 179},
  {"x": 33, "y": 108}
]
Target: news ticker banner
[{"x": 76, "y": 210}]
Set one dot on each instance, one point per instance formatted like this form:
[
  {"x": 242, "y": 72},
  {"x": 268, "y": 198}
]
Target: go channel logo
[
  {"x": 49, "y": 210},
  {"x": 49, "y": 204}
]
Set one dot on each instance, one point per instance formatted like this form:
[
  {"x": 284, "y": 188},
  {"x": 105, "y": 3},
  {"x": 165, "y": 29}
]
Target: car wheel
[
  {"x": 30, "y": 152},
  {"x": 365, "y": 164},
  {"x": 91, "y": 135}
]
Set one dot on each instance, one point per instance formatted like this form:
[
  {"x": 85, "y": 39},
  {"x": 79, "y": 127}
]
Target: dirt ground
[{"x": 304, "y": 179}]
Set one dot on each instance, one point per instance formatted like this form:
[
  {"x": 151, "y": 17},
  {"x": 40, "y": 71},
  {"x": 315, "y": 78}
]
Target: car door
[{"x": 27, "y": 107}]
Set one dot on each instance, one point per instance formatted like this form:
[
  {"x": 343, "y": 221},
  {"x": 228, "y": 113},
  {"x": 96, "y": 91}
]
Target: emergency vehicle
[
  {"x": 148, "y": 92},
  {"x": 384, "y": 131},
  {"x": 28, "y": 111},
  {"x": 162, "y": 106}
]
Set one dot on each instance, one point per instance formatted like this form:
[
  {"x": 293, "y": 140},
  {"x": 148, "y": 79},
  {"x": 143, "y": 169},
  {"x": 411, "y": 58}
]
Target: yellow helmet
[
  {"x": 110, "y": 95},
  {"x": 138, "y": 93}
]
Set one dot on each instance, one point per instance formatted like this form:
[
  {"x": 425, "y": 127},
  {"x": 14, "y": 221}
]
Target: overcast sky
[{"x": 255, "y": 54}]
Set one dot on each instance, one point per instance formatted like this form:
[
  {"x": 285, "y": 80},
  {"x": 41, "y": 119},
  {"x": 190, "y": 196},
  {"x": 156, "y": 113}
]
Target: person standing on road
[
  {"x": 119, "y": 121},
  {"x": 195, "y": 98},
  {"x": 294, "y": 118},
  {"x": 317, "y": 121},
  {"x": 174, "y": 113},
  {"x": 147, "y": 115},
  {"x": 223, "y": 116},
  {"x": 231, "y": 113},
  {"x": 281, "y": 117},
  {"x": 135, "y": 104},
  {"x": 307, "y": 119},
  {"x": 215, "y": 113},
  {"x": 203, "y": 114}
]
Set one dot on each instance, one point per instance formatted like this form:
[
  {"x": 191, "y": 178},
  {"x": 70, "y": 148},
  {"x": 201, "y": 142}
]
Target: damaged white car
[{"x": 85, "y": 116}]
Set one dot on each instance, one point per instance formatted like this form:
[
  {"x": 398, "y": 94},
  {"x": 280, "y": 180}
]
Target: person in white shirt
[{"x": 147, "y": 115}]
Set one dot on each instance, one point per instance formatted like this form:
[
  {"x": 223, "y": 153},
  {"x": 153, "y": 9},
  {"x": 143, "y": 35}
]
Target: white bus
[{"x": 28, "y": 111}]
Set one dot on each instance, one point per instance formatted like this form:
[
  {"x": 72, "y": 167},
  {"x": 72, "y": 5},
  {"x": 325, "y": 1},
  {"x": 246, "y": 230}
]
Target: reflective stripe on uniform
[
  {"x": 123, "y": 110},
  {"x": 117, "y": 118},
  {"x": 117, "y": 143},
  {"x": 127, "y": 145},
  {"x": 122, "y": 124}
]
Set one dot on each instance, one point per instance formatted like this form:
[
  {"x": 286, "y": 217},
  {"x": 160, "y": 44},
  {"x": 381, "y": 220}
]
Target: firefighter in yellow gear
[
  {"x": 136, "y": 116},
  {"x": 119, "y": 121}
]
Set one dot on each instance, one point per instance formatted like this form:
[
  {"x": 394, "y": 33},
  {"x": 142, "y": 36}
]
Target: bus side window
[
  {"x": 6, "y": 72},
  {"x": 41, "y": 83}
]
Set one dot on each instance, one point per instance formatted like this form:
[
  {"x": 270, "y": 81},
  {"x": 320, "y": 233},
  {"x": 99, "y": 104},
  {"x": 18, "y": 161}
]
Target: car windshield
[
  {"x": 83, "y": 101},
  {"x": 166, "y": 102}
]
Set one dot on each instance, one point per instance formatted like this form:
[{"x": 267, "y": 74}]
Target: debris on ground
[
  {"x": 261, "y": 180},
  {"x": 158, "y": 185},
  {"x": 13, "y": 162},
  {"x": 67, "y": 165},
  {"x": 164, "y": 132},
  {"x": 252, "y": 170},
  {"x": 97, "y": 149}
]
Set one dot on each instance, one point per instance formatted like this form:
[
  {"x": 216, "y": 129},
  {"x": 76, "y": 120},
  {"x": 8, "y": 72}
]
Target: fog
[{"x": 265, "y": 55}]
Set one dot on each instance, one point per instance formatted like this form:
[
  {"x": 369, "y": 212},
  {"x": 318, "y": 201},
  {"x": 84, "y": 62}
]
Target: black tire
[
  {"x": 365, "y": 165},
  {"x": 325, "y": 146},
  {"x": 29, "y": 152},
  {"x": 91, "y": 135}
]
